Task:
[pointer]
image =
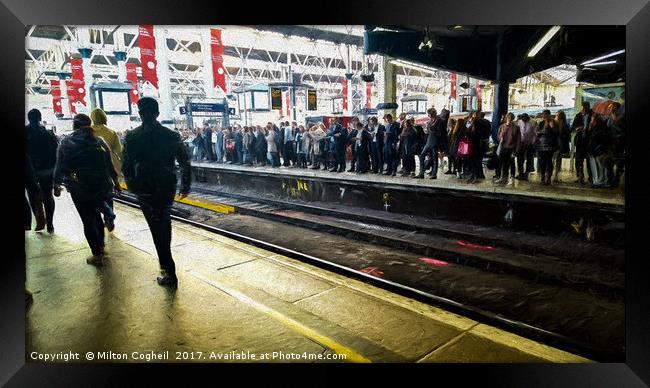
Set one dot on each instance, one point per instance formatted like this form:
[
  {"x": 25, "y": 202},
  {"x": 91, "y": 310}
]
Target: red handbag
[{"x": 464, "y": 148}]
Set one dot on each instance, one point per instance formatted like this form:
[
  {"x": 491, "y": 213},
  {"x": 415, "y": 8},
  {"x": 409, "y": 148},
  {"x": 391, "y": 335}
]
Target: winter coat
[
  {"x": 110, "y": 137},
  {"x": 150, "y": 155},
  {"x": 84, "y": 166}
]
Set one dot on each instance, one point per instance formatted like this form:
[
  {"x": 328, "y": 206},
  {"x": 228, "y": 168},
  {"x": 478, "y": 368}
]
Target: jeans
[
  {"x": 157, "y": 212},
  {"x": 107, "y": 208},
  {"x": 275, "y": 159},
  {"x": 288, "y": 153},
  {"x": 218, "y": 151},
  {"x": 391, "y": 158},
  {"x": 88, "y": 209}
]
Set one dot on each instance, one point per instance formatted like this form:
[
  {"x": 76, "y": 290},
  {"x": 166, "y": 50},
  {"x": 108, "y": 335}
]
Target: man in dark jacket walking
[
  {"x": 150, "y": 153},
  {"x": 84, "y": 166},
  {"x": 390, "y": 145},
  {"x": 41, "y": 146}
]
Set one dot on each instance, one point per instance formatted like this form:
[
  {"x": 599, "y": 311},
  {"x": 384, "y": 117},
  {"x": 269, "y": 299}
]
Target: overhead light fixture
[
  {"x": 412, "y": 65},
  {"x": 591, "y": 61},
  {"x": 457, "y": 27},
  {"x": 382, "y": 29},
  {"x": 542, "y": 42},
  {"x": 602, "y": 63}
]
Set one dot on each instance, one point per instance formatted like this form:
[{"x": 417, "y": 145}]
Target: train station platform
[
  {"x": 234, "y": 303},
  {"x": 528, "y": 206}
]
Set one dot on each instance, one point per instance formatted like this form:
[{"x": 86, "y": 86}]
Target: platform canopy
[{"x": 501, "y": 53}]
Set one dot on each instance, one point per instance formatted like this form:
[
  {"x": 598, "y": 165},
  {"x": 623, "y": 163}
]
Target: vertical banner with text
[
  {"x": 147, "y": 45},
  {"x": 56, "y": 96},
  {"x": 454, "y": 80},
  {"x": 479, "y": 97},
  {"x": 287, "y": 101},
  {"x": 216, "y": 49},
  {"x": 132, "y": 78},
  {"x": 78, "y": 84}
]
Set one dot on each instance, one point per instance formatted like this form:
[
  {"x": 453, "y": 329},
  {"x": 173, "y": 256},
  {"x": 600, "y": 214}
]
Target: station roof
[
  {"x": 500, "y": 52},
  {"x": 352, "y": 35}
]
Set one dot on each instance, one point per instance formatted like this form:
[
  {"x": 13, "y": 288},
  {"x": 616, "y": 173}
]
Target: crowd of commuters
[
  {"x": 465, "y": 145},
  {"x": 92, "y": 161}
]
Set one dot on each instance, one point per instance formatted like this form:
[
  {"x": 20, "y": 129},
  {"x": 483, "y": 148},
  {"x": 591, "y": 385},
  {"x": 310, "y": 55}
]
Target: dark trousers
[
  {"x": 390, "y": 154},
  {"x": 580, "y": 161},
  {"x": 302, "y": 160},
  {"x": 526, "y": 154},
  {"x": 377, "y": 157},
  {"x": 363, "y": 161},
  {"x": 91, "y": 217},
  {"x": 545, "y": 163},
  {"x": 477, "y": 161},
  {"x": 46, "y": 196},
  {"x": 157, "y": 211},
  {"x": 354, "y": 159},
  {"x": 507, "y": 163},
  {"x": 288, "y": 153},
  {"x": 431, "y": 151},
  {"x": 340, "y": 158},
  {"x": 261, "y": 157}
]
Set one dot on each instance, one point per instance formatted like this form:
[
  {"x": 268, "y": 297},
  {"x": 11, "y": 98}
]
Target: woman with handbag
[{"x": 464, "y": 149}]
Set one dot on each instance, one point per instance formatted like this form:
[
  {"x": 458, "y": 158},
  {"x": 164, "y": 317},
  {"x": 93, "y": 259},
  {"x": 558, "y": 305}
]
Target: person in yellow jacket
[{"x": 111, "y": 138}]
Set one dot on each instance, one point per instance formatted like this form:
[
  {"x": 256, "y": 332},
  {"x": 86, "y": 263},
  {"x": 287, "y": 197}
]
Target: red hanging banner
[
  {"x": 368, "y": 94},
  {"x": 454, "y": 79},
  {"x": 218, "y": 70},
  {"x": 56, "y": 96},
  {"x": 345, "y": 94},
  {"x": 72, "y": 95},
  {"x": 76, "y": 65},
  {"x": 479, "y": 97},
  {"x": 132, "y": 77},
  {"x": 147, "y": 45}
]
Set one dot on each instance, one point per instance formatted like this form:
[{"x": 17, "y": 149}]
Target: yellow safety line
[
  {"x": 308, "y": 332},
  {"x": 214, "y": 206}
]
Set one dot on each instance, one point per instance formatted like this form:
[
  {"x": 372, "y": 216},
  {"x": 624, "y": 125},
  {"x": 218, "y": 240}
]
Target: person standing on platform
[
  {"x": 579, "y": 126},
  {"x": 272, "y": 146},
  {"x": 239, "y": 137},
  {"x": 547, "y": 143},
  {"x": 84, "y": 166},
  {"x": 509, "y": 141},
  {"x": 248, "y": 146},
  {"x": 526, "y": 150},
  {"x": 261, "y": 145},
  {"x": 564, "y": 138},
  {"x": 431, "y": 146},
  {"x": 199, "y": 146},
  {"x": 481, "y": 131},
  {"x": 390, "y": 145},
  {"x": 41, "y": 147},
  {"x": 616, "y": 124},
  {"x": 150, "y": 153},
  {"x": 408, "y": 139},
  {"x": 317, "y": 136},
  {"x": 207, "y": 135},
  {"x": 340, "y": 136},
  {"x": 217, "y": 144},
  {"x": 112, "y": 140},
  {"x": 352, "y": 137},
  {"x": 376, "y": 145},
  {"x": 362, "y": 148}
]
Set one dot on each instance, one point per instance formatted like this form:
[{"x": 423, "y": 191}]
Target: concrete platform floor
[
  {"x": 566, "y": 190},
  {"x": 235, "y": 303}
]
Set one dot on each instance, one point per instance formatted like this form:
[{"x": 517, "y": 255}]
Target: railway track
[{"x": 496, "y": 260}]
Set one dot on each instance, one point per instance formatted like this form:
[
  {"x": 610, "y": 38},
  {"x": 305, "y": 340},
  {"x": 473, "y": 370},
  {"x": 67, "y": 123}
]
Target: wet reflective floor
[{"x": 234, "y": 303}]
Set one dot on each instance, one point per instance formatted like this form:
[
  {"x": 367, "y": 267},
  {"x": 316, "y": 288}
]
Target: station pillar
[
  {"x": 164, "y": 87},
  {"x": 206, "y": 53},
  {"x": 500, "y": 105},
  {"x": 388, "y": 86}
]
